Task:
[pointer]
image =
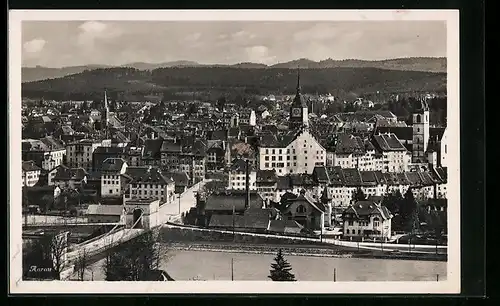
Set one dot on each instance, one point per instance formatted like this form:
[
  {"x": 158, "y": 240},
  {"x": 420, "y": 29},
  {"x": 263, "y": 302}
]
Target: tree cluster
[{"x": 134, "y": 261}]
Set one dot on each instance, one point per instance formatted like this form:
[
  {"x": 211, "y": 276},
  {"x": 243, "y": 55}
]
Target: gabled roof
[
  {"x": 30, "y": 166},
  {"x": 305, "y": 197},
  {"x": 246, "y": 221},
  {"x": 226, "y": 201},
  {"x": 239, "y": 165},
  {"x": 368, "y": 208},
  {"x": 402, "y": 132},
  {"x": 105, "y": 210},
  {"x": 152, "y": 148},
  {"x": 148, "y": 175},
  {"x": 52, "y": 143},
  {"x": 112, "y": 165},
  {"x": 285, "y": 226},
  {"x": 267, "y": 176},
  {"x": 64, "y": 173},
  {"x": 388, "y": 142}
]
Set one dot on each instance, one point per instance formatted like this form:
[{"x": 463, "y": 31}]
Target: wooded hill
[{"x": 134, "y": 84}]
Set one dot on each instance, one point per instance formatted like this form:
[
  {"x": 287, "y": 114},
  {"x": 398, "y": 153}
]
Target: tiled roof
[
  {"x": 148, "y": 175},
  {"x": 239, "y": 165},
  {"x": 223, "y": 201},
  {"x": 368, "y": 208},
  {"x": 52, "y": 143},
  {"x": 105, "y": 210},
  {"x": 388, "y": 142},
  {"x": 30, "y": 166},
  {"x": 305, "y": 197},
  {"x": 110, "y": 150},
  {"x": 112, "y": 165},
  {"x": 152, "y": 148},
  {"x": 64, "y": 173},
  {"x": 285, "y": 226},
  {"x": 171, "y": 146},
  {"x": 403, "y": 133},
  {"x": 245, "y": 221},
  {"x": 349, "y": 144},
  {"x": 267, "y": 176}
]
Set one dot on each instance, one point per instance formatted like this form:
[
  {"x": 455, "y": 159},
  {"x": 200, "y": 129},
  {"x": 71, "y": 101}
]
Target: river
[{"x": 210, "y": 265}]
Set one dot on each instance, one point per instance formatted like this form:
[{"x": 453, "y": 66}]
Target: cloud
[
  {"x": 259, "y": 54},
  {"x": 34, "y": 46},
  {"x": 90, "y": 31},
  {"x": 193, "y": 37}
]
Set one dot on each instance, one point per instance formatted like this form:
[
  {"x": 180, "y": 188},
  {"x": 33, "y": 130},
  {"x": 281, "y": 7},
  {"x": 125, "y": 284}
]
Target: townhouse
[{"x": 148, "y": 182}]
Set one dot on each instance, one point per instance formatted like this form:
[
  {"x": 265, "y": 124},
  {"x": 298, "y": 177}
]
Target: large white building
[
  {"x": 112, "y": 179},
  {"x": 298, "y": 153}
]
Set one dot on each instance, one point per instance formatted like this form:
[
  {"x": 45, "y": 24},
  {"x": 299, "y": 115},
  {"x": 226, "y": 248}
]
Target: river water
[{"x": 210, "y": 265}]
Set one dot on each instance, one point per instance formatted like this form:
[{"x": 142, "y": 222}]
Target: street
[
  {"x": 46, "y": 219},
  {"x": 172, "y": 211}
]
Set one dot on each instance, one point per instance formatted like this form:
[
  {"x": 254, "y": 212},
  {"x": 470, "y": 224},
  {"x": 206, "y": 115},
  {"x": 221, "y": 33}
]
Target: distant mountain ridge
[{"x": 423, "y": 64}]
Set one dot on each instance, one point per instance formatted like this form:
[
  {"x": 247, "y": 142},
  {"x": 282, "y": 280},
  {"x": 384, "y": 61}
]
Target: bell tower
[
  {"x": 298, "y": 112},
  {"x": 420, "y": 124}
]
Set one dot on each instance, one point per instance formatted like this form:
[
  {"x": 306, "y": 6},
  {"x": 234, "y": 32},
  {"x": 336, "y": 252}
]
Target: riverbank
[{"x": 302, "y": 250}]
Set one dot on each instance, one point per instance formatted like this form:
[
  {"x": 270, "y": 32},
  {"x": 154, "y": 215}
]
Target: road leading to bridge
[{"x": 173, "y": 210}]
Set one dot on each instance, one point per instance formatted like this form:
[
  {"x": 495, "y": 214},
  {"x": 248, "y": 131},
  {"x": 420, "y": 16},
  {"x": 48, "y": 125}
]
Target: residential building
[
  {"x": 80, "y": 153},
  {"x": 367, "y": 220},
  {"x": 113, "y": 181},
  {"x": 306, "y": 211},
  {"x": 237, "y": 176},
  {"x": 65, "y": 177},
  {"x": 148, "y": 182},
  {"x": 100, "y": 154},
  {"x": 30, "y": 173},
  {"x": 47, "y": 153}
]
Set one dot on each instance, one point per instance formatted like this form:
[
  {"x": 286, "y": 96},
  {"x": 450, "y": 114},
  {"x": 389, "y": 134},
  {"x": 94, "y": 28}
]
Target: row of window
[{"x": 106, "y": 182}]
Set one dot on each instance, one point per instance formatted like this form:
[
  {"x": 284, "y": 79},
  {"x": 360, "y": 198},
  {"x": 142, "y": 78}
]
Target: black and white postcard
[{"x": 234, "y": 151}]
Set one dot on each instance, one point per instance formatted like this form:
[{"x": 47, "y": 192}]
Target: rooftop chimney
[{"x": 247, "y": 184}]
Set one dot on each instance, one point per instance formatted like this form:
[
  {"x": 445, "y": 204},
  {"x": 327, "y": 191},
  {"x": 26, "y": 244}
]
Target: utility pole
[
  {"x": 334, "y": 274},
  {"x": 232, "y": 269}
]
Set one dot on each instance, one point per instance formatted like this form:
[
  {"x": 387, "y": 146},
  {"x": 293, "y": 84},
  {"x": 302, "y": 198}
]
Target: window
[
  {"x": 288, "y": 157},
  {"x": 266, "y": 165},
  {"x": 418, "y": 119},
  {"x": 266, "y": 157},
  {"x": 376, "y": 222},
  {"x": 305, "y": 151},
  {"x": 274, "y": 151},
  {"x": 347, "y": 232},
  {"x": 301, "y": 209},
  {"x": 279, "y": 151},
  {"x": 267, "y": 151},
  {"x": 273, "y": 157}
]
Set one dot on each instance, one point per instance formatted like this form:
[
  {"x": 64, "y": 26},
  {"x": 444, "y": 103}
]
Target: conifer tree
[{"x": 280, "y": 271}]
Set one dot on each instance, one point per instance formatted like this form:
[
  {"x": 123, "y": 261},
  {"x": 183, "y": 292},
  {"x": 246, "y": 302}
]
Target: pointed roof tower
[{"x": 298, "y": 101}]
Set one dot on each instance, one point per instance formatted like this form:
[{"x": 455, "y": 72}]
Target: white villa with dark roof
[{"x": 367, "y": 219}]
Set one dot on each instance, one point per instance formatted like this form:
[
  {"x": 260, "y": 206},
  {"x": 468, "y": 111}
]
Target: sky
[{"x": 72, "y": 43}]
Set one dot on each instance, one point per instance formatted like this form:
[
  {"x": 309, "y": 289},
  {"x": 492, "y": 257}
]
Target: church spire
[{"x": 298, "y": 79}]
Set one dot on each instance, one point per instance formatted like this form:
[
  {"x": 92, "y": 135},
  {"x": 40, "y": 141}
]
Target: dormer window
[{"x": 301, "y": 209}]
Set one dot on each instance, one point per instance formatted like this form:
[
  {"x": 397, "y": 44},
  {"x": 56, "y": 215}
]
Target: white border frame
[{"x": 449, "y": 286}]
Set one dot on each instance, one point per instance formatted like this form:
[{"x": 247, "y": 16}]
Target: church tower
[
  {"x": 420, "y": 132},
  {"x": 105, "y": 114},
  {"x": 298, "y": 112}
]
